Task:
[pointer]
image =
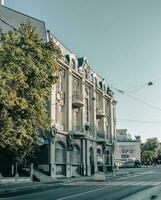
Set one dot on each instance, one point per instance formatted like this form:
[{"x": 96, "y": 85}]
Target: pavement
[
  {"x": 15, "y": 189},
  {"x": 136, "y": 184}
]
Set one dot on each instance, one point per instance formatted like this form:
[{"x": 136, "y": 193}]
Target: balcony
[
  {"x": 77, "y": 101},
  {"x": 101, "y": 136},
  {"x": 77, "y": 131},
  {"x": 100, "y": 113}
]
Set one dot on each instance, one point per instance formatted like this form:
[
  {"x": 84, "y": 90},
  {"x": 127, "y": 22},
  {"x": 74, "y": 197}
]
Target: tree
[
  {"x": 152, "y": 144},
  {"x": 150, "y": 150},
  {"x": 147, "y": 156},
  {"x": 28, "y": 68}
]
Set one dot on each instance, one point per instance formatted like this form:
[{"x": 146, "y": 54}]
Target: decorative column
[{"x": 51, "y": 143}]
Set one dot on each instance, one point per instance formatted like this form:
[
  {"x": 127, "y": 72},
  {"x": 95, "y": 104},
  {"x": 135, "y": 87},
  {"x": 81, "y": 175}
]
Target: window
[
  {"x": 60, "y": 99},
  {"x": 60, "y": 170},
  {"x": 60, "y": 157},
  {"x": 62, "y": 116},
  {"x": 76, "y": 87},
  {"x": 107, "y": 158},
  {"x": 107, "y": 133},
  {"x": 87, "y": 104},
  {"x": 99, "y": 156},
  {"x": 107, "y": 107},
  {"x": 86, "y": 110},
  {"x": 75, "y": 155}
]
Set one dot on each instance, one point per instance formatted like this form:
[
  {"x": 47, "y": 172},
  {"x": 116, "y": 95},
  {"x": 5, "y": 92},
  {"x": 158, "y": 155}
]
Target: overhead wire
[
  {"x": 139, "y": 121},
  {"x": 135, "y": 98},
  {"x": 139, "y": 86},
  {"x": 145, "y": 103},
  {"x": 116, "y": 89}
]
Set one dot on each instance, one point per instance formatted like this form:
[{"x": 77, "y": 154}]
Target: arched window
[
  {"x": 91, "y": 156},
  {"x": 99, "y": 156},
  {"x": 60, "y": 157},
  {"x": 75, "y": 155}
]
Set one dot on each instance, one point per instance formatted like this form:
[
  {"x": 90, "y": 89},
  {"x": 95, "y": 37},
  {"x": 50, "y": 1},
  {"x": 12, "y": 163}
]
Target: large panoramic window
[
  {"x": 75, "y": 155},
  {"x": 60, "y": 153}
]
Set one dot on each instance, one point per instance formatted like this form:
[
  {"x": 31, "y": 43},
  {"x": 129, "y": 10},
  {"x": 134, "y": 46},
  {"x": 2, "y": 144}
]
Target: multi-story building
[
  {"x": 127, "y": 148},
  {"x": 82, "y": 111},
  {"x": 83, "y": 120}
]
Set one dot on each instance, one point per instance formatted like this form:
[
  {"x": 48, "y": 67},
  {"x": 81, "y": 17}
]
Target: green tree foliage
[
  {"x": 147, "y": 156},
  {"x": 150, "y": 149},
  {"x": 28, "y": 68},
  {"x": 152, "y": 144}
]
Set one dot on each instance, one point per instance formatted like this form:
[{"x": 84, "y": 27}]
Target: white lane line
[
  {"x": 82, "y": 193},
  {"x": 109, "y": 185},
  {"x": 99, "y": 189},
  {"x": 121, "y": 183}
]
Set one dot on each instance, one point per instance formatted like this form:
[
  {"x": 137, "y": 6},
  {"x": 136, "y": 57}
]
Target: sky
[{"x": 122, "y": 42}]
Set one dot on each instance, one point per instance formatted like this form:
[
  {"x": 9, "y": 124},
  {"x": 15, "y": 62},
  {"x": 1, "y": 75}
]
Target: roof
[
  {"x": 15, "y": 18},
  {"x": 80, "y": 61}
]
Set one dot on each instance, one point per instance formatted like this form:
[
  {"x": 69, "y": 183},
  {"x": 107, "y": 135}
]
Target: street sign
[{"x": 40, "y": 141}]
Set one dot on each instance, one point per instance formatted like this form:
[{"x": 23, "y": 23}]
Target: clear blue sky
[{"x": 122, "y": 41}]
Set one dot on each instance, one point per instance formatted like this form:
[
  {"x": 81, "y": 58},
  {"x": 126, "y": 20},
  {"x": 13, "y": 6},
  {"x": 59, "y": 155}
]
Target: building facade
[
  {"x": 83, "y": 119},
  {"x": 126, "y": 148},
  {"x": 82, "y": 111}
]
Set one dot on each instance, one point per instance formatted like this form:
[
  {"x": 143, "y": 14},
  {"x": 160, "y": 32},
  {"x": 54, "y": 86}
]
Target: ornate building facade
[
  {"x": 82, "y": 111},
  {"x": 83, "y": 119}
]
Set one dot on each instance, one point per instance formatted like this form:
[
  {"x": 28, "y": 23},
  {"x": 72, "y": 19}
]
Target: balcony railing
[
  {"x": 77, "y": 101},
  {"x": 100, "y": 113}
]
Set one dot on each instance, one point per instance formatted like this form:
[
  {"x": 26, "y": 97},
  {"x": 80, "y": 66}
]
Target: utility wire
[
  {"x": 145, "y": 103},
  {"x": 118, "y": 90},
  {"x": 140, "y": 86},
  {"x": 135, "y": 98},
  {"x": 139, "y": 121}
]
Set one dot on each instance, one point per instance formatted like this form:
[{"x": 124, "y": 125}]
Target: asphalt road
[{"x": 116, "y": 189}]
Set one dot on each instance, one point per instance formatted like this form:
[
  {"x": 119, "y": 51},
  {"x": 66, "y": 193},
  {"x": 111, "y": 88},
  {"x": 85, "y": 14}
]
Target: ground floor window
[
  {"x": 60, "y": 158},
  {"x": 60, "y": 170},
  {"x": 60, "y": 153},
  {"x": 75, "y": 155},
  {"x": 75, "y": 170}
]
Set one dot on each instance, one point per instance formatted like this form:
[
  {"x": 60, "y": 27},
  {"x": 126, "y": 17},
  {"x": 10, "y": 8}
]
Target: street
[{"x": 117, "y": 188}]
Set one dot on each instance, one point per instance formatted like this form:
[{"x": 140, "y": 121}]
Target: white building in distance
[{"x": 127, "y": 148}]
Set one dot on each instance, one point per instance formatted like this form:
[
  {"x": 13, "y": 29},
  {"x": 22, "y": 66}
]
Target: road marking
[
  {"x": 108, "y": 185},
  {"x": 115, "y": 183},
  {"x": 82, "y": 193}
]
